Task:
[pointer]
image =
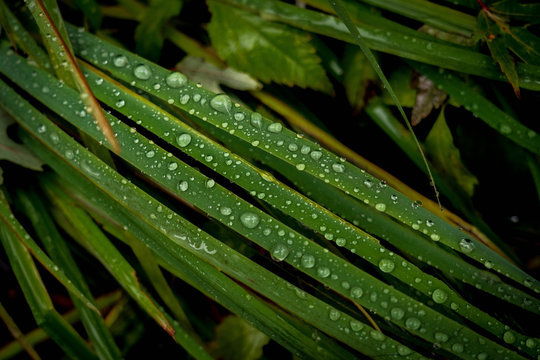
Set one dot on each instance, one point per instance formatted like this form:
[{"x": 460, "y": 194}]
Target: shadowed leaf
[
  {"x": 237, "y": 340},
  {"x": 428, "y": 97}
]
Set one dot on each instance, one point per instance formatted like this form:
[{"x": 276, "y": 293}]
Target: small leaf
[
  {"x": 446, "y": 158},
  {"x": 210, "y": 76},
  {"x": 11, "y": 151},
  {"x": 428, "y": 97},
  {"x": 268, "y": 51},
  {"x": 149, "y": 33},
  {"x": 519, "y": 10},
  {"x": 237, "y": 340},
  {"x": 358, "y": 74}
]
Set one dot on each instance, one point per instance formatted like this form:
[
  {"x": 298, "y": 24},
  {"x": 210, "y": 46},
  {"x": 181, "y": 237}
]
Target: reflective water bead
[
  {"x": 225, "y": 211},
  {"x": 530, "y": 343},
  {"x": 376, "y": 335},
  {"x": 413, "y": 323},
  {"x": 380, "y": 207},
  {"x": 509, "y": 337},
  {"x": 403, "y": 351},
  {"x": 482, "y": 356},
  {"x": 275, "y": 127},
  {"x": 256, "y": 120},
  {"x": 239, "y": 116},
  {"x": 308, "y": 261},
  {"x": 305, "y": 149},
  {"x": 457, "y": 347},
  {"x": 441, "y": 337},
  {"x": 466, "y": 245},
  {"x": 397, "y": 313},
  {"x": 69, "y": 154},
  {"x": 150, "y": 154},
  {"x": 315, "y": 155},
  {"x": 142, "y": 72},
  {"x": 341, "y": 242},
  {"x": 249, "y": 220},
  {"x": 357, "y": 292},
  {"x": 439, "y": 296},
  {"x": 356, "y": 325},
  {"x": 280, "y": 252},
  {"x": 386, "y": 265},
  {"x": 337, "y": 167},
  {"x": 323, "y": 271},
  {"x": 183, "y": 140},
  {"x": 173, "y": 166},
  {"x": 183, "y": 185},
  {"x": 334, "y": 314},
  {"x": 300, "y": 166},
  {"x": 120, "y": 103},
  {"x": 176, "y": 79},
  {"x": 221, "y": 103},
  {"x": 120, "y": 61},
  {"x": 210, "y": 183}
]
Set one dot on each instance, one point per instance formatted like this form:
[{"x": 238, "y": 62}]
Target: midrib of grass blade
[
  {"x": 20, "y": 233},
  {"x": 37, "y": 297},
  {"x": 56, "y": 246},
  {"x": 482, "y": 108},
  {"x": 278, "y": 195},
  {"x": 38, "y": 335},
  {"x": 181, "y": 234},
  {"x": 254, "y": 224},
  {"x": 220, "y": 112},
  {"x": 392, "y": 42},
  {"x": 64, "y": 63}
]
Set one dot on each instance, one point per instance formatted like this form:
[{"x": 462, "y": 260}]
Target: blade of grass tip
[
  {"x": 344, "y": 15},
  {"x": 25, "y": 239},
  {"x": 17, "y": 334},
  {"x": 38, "y": 335},
  {"x": 38, "y": 299},
  {"x": 59, "y": 47},
  {"x": 34, "y": 208}
]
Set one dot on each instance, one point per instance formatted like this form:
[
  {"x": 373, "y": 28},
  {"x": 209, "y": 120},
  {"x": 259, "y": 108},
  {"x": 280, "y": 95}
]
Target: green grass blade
[
  {"x": 37, "y": 297},
  {"x": 392, "y": 42},
  {"x": 17, "y": 334},
  {"x": 219, "y": 112},
  {"x": 253, "y": 222},
  {"x": 32, "y": 205}
]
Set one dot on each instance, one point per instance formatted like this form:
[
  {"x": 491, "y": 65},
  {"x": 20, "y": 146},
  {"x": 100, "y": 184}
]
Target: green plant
[{"x": 311, "y": 251}]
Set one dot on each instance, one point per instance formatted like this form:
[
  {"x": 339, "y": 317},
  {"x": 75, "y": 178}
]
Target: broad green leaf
[
  {"x": 11, "y": 151},
  {"x": 358, "y": 75},
  {"x": 149, "y": 35},
  {"x": 237, "y": 340},
  {"x": 268, "y": 51},
  {"x": 446, "y": 158},
  {"x": 428, "y": 97},
  {"x": 210, "y": 76}
]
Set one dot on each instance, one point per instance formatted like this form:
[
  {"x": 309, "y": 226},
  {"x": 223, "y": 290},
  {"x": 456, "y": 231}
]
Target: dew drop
[
  {"x": 441, "y": 337},
  {"x": 256, "y": 120},
  {"x": 380, "y": 206},
  {"x": 308, "y": 261},
  {"x": 376, "y": 335},
  {"x": 357, "y": 292},
  {"x": 54, "y": 138},
  {"x": 183, "y": 185},
  {"x": 249, "y": 219},
  {"x": 386, "y": 265},
  {"x": 315, "y": 155},
  {"x": 429, "y": 223},
  {"x": 69, "y": 154},
  {"x": 334, "y": 314},
  {"x": 341, "y": 242},
  {"x": 183, "y": 140},
  {"x": 466, "y": 245},
  {"x": 221, "y": 103},
  {"x": 356, "y": 325},
  {"x": 275, "y": 128},
  {"x": 323, "y": 271},
  {"x": 509, "y": 337},
  {"x": 300, "y": 166},
  {"x": 280, "y": 252},
  {"x": 457, "y": 347},
  {"x": 305, "y": 149},
  {"x": 482, "y": 356},
  {"x": 435, "y": 237},
  {"x": 439, "y": 296},
  {"x": 530, "y": 343},
  {"x": 41, "y": 129},
  {"x": 337, "y": 167},
  {"x": 142, "y": 72},
  {"x": 150, "y": 154},
  {"x": 225, "y": 211},
  {"x": 239, "y": 116},
  {"x": 505, "y": 129},
  {"x": 413, "y": 323},
  {"x": 176, "y": 79},
  {"x": 397, "y": 313},
  {"x": 210, "y": 183},
  {"x": 120, "y": 61},
  {"x": 120, "y": 103},
  {"x": 403, "y": 351}
]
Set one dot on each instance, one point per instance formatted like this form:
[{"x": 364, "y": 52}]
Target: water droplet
[
  {"x": 239, "y": 116},
  {"x": 210, "y": 183},
  {"x": 256, "y": 120},
  {"x": 435, "y": 237},
  {"x": 41, "y": 129},
  {"x": 505, "y": 129},
  {"x": 120, "y": 103},
  {"x": 323, "y": 271},
  {"x": 441, "y": 337},
  {"x": 183, "y": 185},
  {"x": 482, "y": 356},
  {"x": 300, "y": 166},
  {"x": 380, "y": 206},
  {"x": 305, "y": 149},
  {"x": 150, "y": 154},
  {"x": 397, "y": 313},
  {"x": 341, "y": 242},
  {"x": 315, "y": 155},
  {"x": 457, "y": 347},
  {"x": 184, "y": 99},
  {"x": 142, "y": 72},
  {"x": 334, "y": 314},
  {"x": 308, "y": 261},
  {"x": 225, "y": 211},
  {"x": 466, "y": 245},
  {"x": 293, "y": 147},
  {"x": 357, "y": 292},
  {"x": 356, "y": 325},
  {"x": 386, "y": 265},
  {"x": 337, "y": 167},
  {"x": 249, "y": 220},
  {"x": 280, "y": 252},
  {"x": 221, "y": 103},
  {"x": 69, "y": 154},
  {"x": 429, "y": 223},
  {"x": 488, "y": 264},
  {"x": 120, "y": 61},
  {"x": 183, "y": 140},
  {"x": 439, "y": 296},
  {"x": 176, "y": 79},
  {"x": 376, "y": 335},
  {"x": 54, "y": 138},
  {"x": 413, "y": 323},
  {"x": 275, "y": 127},
  {"x": 530, "y": 343},
  {"x": 403, "y": 351},
  {"x": 509, "y": 337}
]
